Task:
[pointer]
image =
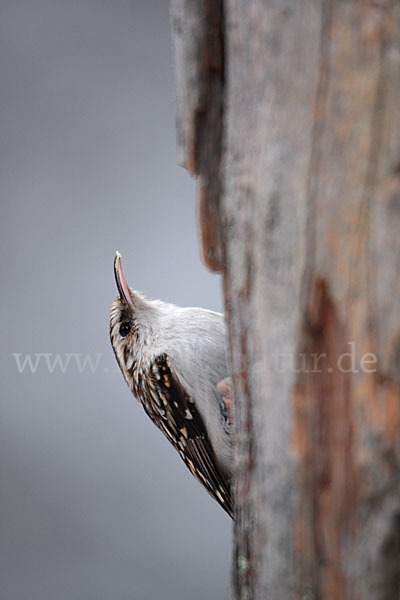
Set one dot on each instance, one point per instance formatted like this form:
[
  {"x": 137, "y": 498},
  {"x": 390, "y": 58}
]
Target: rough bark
[{"x": 292, "y": 122}]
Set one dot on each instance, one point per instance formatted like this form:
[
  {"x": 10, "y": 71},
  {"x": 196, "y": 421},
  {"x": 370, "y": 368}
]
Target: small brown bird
[{"x": 172, "y": 359}]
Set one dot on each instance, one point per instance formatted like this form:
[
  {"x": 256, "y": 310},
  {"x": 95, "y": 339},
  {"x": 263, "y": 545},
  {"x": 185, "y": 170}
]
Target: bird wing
[{"x": 172, "y": 409}]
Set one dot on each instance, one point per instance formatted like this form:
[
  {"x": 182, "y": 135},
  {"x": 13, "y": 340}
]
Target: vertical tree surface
[{"x": 289, "y": 113}]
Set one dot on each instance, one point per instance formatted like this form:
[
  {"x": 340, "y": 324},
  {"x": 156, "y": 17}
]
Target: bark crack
[
  {"x": 209, "y": 132},
  {"x": 321, "y": 95}
]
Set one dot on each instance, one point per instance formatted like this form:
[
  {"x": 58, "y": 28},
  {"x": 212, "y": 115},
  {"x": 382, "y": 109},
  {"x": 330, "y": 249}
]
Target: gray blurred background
[{"x": 94, "y": 503}]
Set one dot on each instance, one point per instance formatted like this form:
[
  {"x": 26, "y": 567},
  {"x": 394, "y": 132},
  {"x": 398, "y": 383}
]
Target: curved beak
[{"x": 123, "y": 287}]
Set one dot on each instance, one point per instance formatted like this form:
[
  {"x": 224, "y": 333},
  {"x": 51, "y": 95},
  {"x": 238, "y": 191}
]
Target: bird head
[{"x": 130, "y": 323}]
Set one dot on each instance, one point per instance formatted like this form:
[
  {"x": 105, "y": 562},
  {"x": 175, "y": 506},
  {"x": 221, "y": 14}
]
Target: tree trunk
[{"x": 289, "y": 113}]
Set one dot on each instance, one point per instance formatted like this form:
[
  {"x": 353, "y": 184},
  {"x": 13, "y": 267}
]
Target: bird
[{"x": 174, "y": 361}]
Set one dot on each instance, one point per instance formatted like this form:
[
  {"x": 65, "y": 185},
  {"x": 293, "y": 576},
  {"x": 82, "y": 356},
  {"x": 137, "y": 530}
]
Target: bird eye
[{"x": 124, "y": 329}]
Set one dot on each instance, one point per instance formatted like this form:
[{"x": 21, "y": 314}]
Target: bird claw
[{"x": 224, "y": 387}]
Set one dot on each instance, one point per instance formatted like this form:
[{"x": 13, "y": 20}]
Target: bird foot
[{"x": 224, "y": 387}]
